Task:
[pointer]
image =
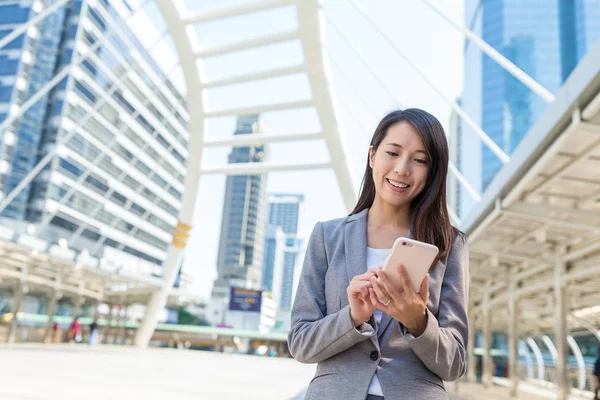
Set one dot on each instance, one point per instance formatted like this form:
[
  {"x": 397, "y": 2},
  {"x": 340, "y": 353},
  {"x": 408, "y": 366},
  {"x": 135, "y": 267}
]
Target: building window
[
  {"x": 97, "y": 20},
  {"x": 137, "y": 209},
  {"x": 97, "y": 183},
  {"x": 63, "y": 223},
  {"x": 118, "y": 198},
  {"x": 86, "y": 92},
  {"x": 67, "y": 166}
]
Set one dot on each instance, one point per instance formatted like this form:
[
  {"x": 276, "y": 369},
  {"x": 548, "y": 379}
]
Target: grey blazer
[{"x": 322, "y": 331}]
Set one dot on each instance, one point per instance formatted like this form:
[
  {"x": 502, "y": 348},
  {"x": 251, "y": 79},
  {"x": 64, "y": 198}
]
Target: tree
[{"x": 187, "y": 318}]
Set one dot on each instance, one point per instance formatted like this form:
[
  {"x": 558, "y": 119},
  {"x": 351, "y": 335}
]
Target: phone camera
[{"x": 403, "y": 243}]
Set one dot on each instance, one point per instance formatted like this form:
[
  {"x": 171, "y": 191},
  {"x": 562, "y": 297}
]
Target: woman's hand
[
  {"x": 401, "y": 303},
  {"x": 361, "y": 307}
]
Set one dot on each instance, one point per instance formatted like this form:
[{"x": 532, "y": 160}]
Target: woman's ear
[{"x": 371, "y": 156}]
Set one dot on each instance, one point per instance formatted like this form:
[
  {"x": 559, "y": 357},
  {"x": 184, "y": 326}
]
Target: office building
[
  {"x": 274, "y": 260},
  {"x": 284, "y": 211},
  {"x": 115, "y": 187},
  {"x": 547, "y": 50},
  {"x": 242, "y": 241},
  {"x": 453, "y": 185}
]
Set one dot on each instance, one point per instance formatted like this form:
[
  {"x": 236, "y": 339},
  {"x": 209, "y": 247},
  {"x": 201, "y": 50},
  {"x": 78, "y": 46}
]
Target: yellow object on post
[{"x": 181, "y": 233}]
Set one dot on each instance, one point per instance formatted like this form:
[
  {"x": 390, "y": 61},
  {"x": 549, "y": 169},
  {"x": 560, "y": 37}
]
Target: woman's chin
[{"x": 395, "y": 202}]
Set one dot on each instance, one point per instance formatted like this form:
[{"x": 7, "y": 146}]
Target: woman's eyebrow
[{"x": 400, "y": 146}]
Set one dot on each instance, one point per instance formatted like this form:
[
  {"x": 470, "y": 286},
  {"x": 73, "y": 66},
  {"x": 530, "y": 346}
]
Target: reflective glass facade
[
  {"x": 29, "y": 63},
  {"x": 243, "y": 223},
  {"x": 116, "y": 186},
  {"x": 548, "y": 50},
  {"x": 284, "y": 211}
]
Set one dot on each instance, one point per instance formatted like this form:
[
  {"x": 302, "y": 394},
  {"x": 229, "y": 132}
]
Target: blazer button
[{"x": 374, "y": 356}]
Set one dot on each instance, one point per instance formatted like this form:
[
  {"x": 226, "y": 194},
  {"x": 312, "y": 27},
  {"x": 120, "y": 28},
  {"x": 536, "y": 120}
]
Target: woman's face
[{"x": 400, "y": 165}]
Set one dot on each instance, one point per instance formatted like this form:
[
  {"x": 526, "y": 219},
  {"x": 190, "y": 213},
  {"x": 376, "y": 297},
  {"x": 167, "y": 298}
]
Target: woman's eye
[
  {"x": 391, "y": 153},
  {"x": 421, "y": 161}
]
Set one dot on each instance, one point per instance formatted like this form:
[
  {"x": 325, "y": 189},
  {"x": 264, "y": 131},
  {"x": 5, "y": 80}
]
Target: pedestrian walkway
[
  {"x": 73, "y": 372},
  {"x": 68, "y": 372}
]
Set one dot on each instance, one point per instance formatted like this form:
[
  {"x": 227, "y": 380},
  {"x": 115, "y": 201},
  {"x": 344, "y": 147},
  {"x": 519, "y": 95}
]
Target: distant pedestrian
[
  {"x": 54, "y": 332},
  {"x": 74, "y": 333},
  {"x": 93, "y": 333}
]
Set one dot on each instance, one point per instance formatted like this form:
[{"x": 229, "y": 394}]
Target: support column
[
  {"x": 513, "y": 360},
  {"x": 17, "y": 300},
  {"x": 116, "y": 330},
  {"x": 487, "y": 342},
  {"x": 123, "y": 326},
  {"x": 94, "y": 309},
  {"x": 109, "y": 319},
  {"x": 52, "y": 302},
  {"x": 117, "y": 325},
  {"x": 78, "y": 300},
  {"x": 560, "y": 304},
  {"x": 471, "y": 362}
]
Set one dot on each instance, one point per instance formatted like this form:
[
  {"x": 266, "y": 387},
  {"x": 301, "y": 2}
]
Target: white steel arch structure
[
  {"x": 311, "y": 19},
  {"x": 311, "y": 35},
  {"x": 310, "y": 32},
  {"x": 521, "y": 268}
]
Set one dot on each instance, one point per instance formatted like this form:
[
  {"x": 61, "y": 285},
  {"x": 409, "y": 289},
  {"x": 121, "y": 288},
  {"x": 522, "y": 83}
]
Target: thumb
[{"x": 424, "y": 290}]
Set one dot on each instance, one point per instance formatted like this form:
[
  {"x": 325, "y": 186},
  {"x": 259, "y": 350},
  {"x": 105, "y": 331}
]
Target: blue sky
[{"x": 430, "y": 42}]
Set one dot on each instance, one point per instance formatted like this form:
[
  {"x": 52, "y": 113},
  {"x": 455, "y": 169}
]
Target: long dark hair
[{"x": 429, "y": 218}]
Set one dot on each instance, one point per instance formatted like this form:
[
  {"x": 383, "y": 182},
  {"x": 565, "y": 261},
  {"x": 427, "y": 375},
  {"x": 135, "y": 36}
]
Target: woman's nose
[{"x": 402, "y": 168}]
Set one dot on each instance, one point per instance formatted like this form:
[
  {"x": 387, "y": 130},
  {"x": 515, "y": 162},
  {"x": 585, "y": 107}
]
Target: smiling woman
[
  {"x": 411, "y": 146},
  {"x": 373, "y": 339}
]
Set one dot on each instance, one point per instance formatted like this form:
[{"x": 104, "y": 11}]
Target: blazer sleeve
[
  {"x": 315, "y": 336},
  {"x": 442, "y": 346}
]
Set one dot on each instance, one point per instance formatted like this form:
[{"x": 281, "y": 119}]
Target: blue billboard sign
[{"x": 241, "y": 299}]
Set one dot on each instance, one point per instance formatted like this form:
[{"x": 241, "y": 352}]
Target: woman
[{"x": 371, "y": 339}]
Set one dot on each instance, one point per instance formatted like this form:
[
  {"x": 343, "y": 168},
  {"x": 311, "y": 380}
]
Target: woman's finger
[
  {"x": 373, "y": 298},
  {"x": 358, "y": 285},
  {"x": 381, "y": 295},
  {"x": 356, "y": 288},
  {"x": 364, "y": 277},
  {"x": 424, "y": 290},
  {"x": 387, "y": 287},
  {"x": 364, "y": 291},
  {"x": 405, "y": 278}
]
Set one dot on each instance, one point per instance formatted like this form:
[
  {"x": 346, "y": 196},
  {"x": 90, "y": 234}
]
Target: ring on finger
[{"x": 386, "y": 303}]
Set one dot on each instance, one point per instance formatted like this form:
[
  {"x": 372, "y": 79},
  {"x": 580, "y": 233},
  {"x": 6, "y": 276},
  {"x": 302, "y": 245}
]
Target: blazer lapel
[
  {"x": 355, "y": 248},
  {"x": 355, "y": 244},
  {"x": 385, "y": 318}
]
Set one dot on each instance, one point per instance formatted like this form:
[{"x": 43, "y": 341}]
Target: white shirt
[{"x": 375, "y": 258}]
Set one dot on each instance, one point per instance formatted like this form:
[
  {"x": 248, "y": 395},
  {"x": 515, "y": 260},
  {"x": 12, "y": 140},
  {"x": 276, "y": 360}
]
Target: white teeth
[{"x": 396, "y": 184}]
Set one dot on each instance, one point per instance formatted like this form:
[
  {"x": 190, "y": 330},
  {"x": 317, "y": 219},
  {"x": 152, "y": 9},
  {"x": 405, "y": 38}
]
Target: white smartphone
[{"x": 416, "y": 257}]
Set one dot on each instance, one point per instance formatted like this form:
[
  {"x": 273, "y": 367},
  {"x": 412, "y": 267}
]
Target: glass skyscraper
[
  {"x": 242, "y": 241},
  {"x": 26, "y": 65},
  {"x": 546, "y": 39},
  {"x": 284, "y": 211},
  {"x": 274, "y": 260},
  {"x": 453, "y": 186},
  {"x": 115, "y": 188}
]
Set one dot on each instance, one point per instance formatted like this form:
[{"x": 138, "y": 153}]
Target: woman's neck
[{"x": 383, "y": 215}]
